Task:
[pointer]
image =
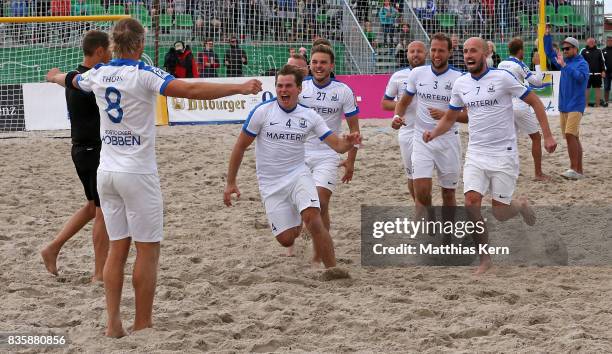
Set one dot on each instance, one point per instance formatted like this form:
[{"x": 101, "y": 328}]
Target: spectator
[
  {"x": 235, "y": 58},
  {"x": 456, "y": 58},
  {"x": 371, "y": 36},
  {"x": 607, "y": 51},
  {"x": 19, "y": 8},
  {"x": 573, "y": 83},
  {"x": 208, "y": 62},
  {"x": 363, "y": 9},
  {"x": 387, "y": 15},
  {"x": 597, "y": 68},
  {"x": 404, "y": 36},
  {"x": 493, "y": 59},
  {"x": 303, "y": 52},
  {"x": 428, "y": 14},
  {"x": 207, "y": 23},
  {"x": 179, "y": 61}
]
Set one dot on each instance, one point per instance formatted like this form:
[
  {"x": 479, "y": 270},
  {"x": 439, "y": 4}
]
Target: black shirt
[
  {"x": 84, "y": 115},
  {"x": 594, "y": 57}
]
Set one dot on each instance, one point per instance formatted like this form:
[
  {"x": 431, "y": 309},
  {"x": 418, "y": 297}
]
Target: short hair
[
  {"x": 299, "y": 57},
  {"x": 515, "y": 46},
  {"x": 93, "y": 40},
  {"x": 443, "y": 37},
  {"x": 322, "y": 41},
  {"x": 128, "y": 36},
  {"x": 289, "y": 69},
  {"x": 322, "y": 48}
]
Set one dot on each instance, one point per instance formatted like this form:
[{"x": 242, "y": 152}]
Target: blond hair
[{"x": 128, "y": 37}]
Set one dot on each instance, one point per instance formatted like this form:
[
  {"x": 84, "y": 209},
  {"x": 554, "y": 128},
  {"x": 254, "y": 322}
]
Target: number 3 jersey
[
  {"x": 332, "y": 102},
  {"x": 126, "y": 93}
]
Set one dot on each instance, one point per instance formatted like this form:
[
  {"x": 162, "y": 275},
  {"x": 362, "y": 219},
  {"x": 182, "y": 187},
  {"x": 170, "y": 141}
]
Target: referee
[{"x": 85, "y": 133}]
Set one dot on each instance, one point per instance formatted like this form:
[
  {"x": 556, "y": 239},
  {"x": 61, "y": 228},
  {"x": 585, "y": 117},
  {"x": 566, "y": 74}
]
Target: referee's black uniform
[{"x": 85, "y": 133}]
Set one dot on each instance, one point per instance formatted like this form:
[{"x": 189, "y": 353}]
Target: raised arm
[
  {"x": 208, "y": 90},
  {"x": 56, "y": 76},
  {"x": 534, "y": 101},
  {"x": 231, "y": 187}
]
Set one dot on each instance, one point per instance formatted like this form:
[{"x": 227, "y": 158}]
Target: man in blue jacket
[{"x": 574, "y": 79}]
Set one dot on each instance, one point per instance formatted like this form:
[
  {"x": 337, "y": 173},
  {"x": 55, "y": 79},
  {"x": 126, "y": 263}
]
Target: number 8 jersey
[{"x": 126, "y": 92}]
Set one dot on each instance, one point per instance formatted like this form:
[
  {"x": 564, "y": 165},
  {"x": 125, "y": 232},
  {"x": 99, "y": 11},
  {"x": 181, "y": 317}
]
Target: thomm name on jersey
[
  {"x": 430, "y": 249},
  {"x": 204, "y": 105}
]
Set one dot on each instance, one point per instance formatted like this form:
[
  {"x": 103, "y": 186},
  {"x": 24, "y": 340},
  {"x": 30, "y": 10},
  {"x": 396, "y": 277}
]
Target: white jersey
[
  {"x": 432, "y": 90},
  {"x": 281, "y": 135},
  {"x": 332, "y": 102},
  {"x": 126, "y": 91},
  {"x": 488, "y": 99},
  {"x": 396, "y": 88},
  {"x": 522, "y": 73}
]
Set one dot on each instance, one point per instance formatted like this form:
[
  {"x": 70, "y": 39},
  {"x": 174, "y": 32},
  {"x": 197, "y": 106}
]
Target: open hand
[{"x": 349, "y": 169}]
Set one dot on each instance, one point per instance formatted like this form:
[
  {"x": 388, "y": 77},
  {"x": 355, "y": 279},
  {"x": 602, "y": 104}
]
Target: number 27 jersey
[{"x": 125, "y": 92}]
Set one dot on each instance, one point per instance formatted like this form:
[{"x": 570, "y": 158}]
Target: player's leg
[
  {"x": 527, "y": 123},
  {"x": 422, "y": 174},
  {"x": 115, "y": 218},
  {"x": 504, "y": 206},
  {"x": 607, "y": 84},
  {"x": 284, "y": 220},
  {"x": 405, "y": 144},
  {"x": 100, "y": 242},
  {"x": 476, "y": 184},
  {"x": 73, "y": 225},
  {"x": 113, "y": 285},
  {"x": 536, "y": 153},
  {"x": 325, "y": 198},
  {"x": 574, "y": 147},
  {"x": 144, "y": 280},
  {"x": 144, "y": 210},
  {"x": 321, "y": 238},
  {"x": 597, "y": 88},
  {"x": 325, "y": 173}
]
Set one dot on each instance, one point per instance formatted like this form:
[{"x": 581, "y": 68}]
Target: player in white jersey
[
  {"x": 128, "y": 184},
  {"x": 281, "y": 127},
  {"x": 332, "y": 100},
  {"x": 524, "y": 118},
  {"x": 432, "y": 85},
  {"x": 396, "y": 88},
  {"x": 491, "y": 162}
]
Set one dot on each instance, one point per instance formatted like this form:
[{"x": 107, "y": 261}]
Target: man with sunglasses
[{"x": 572, "y": 101}]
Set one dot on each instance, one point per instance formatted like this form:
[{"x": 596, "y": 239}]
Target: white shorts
[
  {"x": 405, "y": 143},
  {"x": 284, "y": 206},
  {"x": 525, "y": 120},
  {"x": 494, "y": 174},
  {"x": 132, "y": 206},
  {"x": 324, "y": 169},
  {"x": 442, "y": 154}
]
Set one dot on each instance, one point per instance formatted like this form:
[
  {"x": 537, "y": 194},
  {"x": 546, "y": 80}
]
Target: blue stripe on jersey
[
  {"x": 79, "y": 78},
  {"x": 324, "y": 136},
  {"x": 98, "y": 66},
  {"x": 287, "y": 110},
  {"x": 167, "y": 80},
  {"x": 481, "y": 76},
  {"x": 246, "y": 122},
  {"x": 389, "y": 98},
  {"x": 513, "y": 59},
  {"x": 450, "y": 106},
  {"x": 410, "y": 93},
  {"x": 438, "y": 74},
  {"x": 152, "y": 69},
  {"x": 528, "y": 75},
  {"x": 321, "y": 87},
  {"x": 123, "y": 62},
  {"x": 525, "y": 94},
  {"x": 353, "y": 113}
]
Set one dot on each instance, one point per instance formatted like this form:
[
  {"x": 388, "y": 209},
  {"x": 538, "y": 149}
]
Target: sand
[{"x": 223, "y": 286}]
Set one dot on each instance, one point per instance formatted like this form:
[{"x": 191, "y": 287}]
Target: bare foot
[
  {"x": 484, "y": 266},
  {"x": 138, "y": 327},
  {"x": 542, "y": 178},
  {"x": 335, "y": 273},
  {"x": 49, "y": 257},
  {"x": 96, "y": 279},
  {"x": 289, "y": 251},
  {"x": 526, "y": 211},
  {"x": 115, "y": 330},
  {"x": 315, "y": 263}
]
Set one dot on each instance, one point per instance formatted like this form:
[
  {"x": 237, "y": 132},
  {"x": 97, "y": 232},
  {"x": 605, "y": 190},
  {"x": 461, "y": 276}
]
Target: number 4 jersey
[{"x": 125, "y": 92}]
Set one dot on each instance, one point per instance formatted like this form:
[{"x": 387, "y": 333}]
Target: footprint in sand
[{"x": 335, "y": 274}]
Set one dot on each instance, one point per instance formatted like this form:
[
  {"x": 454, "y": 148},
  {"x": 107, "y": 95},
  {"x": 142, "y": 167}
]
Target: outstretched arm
[
  {"x": 56, "y": 76},
  {"x": 343, "y": 144},
  {"x": 534, "y": 101},
  {"x": 243, "y": 142},
  {"x": 208, "y": 90}
]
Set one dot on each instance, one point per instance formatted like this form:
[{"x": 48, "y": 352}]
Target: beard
[
  {"x": 477, "y": 68},
  {"x": 437, "y": 67},
  {"x": 416, "y": 63}
]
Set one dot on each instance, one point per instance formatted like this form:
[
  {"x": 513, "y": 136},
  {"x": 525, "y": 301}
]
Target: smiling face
[
  {"x": 287, "y": 91},
  {"x": 475, "y": 55},
  {"x": 416, "y": 53},
  {"x": 439, "y": 54},
  {"x": 321, "y": 66}
]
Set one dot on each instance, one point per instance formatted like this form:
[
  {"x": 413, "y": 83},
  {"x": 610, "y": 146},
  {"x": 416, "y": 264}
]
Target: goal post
[{"x": 33, "y": 45}]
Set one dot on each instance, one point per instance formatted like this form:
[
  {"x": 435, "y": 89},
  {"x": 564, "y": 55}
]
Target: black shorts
[
  {"x": 607, "y": 81},
  {"x": 86, "y": 160},
  {"x": 594, "y": 81}
]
